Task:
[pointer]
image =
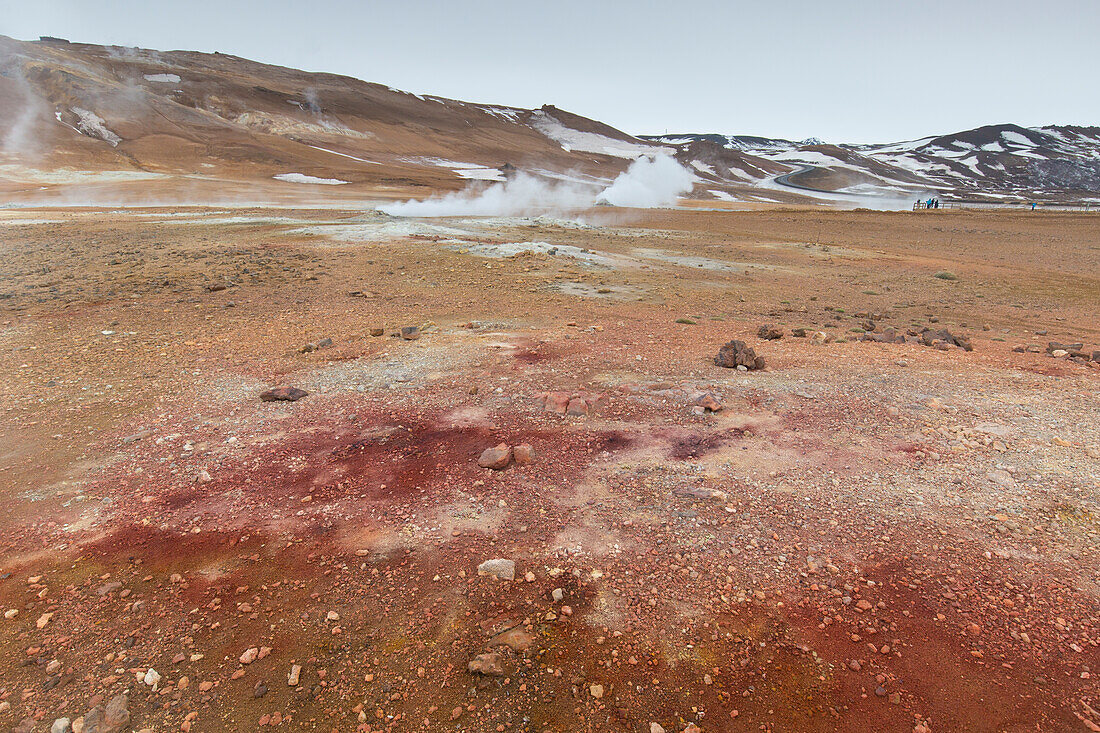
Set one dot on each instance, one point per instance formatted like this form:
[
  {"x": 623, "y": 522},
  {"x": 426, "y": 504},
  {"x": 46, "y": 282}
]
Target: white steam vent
[{"x": 648, "y": 182}]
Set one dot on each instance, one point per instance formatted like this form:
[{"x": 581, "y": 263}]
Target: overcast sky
[{"x": 844, "y": 71}]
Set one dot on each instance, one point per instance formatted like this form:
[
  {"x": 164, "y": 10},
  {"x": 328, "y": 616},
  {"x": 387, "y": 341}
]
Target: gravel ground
[{"x": 865, "y": 536}]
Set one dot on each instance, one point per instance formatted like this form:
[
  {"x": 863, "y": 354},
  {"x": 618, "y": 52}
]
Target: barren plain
[{"x": 862, "y": 536}]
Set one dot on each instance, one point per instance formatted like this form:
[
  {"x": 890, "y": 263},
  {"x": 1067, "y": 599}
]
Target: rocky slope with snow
[
  {"x": 994, "y": 162},
  {"x": 114, "y": 119}
]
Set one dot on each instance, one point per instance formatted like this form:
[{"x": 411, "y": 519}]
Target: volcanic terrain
[{"x": 247, "y": 430}]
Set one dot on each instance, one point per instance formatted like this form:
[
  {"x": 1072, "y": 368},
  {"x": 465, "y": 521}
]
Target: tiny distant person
[
  {"x": 937, "y": 203},
  {"x": 1033, "y": 206}
]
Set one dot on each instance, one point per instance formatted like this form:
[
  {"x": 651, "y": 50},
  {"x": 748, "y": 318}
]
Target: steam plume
[{"x": 648, "y": 182}]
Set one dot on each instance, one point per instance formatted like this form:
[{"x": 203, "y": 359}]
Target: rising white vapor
[{"x": 647, "y": 183}]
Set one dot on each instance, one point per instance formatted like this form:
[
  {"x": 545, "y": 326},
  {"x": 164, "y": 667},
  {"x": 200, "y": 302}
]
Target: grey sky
[{"x": 844, "y": 71}]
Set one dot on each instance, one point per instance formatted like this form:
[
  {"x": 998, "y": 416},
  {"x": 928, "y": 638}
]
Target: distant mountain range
[
  {"x": 993, "y": 161},
  {"x": 88, "y": 115}
]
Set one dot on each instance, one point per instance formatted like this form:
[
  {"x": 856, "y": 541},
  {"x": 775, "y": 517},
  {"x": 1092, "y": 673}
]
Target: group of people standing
[{"x": 929, "y": 204}]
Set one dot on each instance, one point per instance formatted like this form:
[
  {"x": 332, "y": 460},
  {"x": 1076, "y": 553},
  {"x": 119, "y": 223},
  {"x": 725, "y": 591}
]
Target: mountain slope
[
  {"x": 994, "y": 161},
  {"x": 81, "y": 107},
  {"x": 112, "y": 118}
]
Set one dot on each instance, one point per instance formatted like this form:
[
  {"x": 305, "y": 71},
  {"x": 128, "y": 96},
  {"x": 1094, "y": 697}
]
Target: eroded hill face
[
  {"x": 76, "y": 111},
  {"x": 85, "y": 123}
]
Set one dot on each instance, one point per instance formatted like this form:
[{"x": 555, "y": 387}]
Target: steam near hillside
[
  {"x": 86, "y": 122},
  {"x": 649, "y": 182}
]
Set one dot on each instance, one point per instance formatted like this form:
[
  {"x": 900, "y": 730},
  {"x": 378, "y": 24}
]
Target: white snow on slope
[
  {"x": 344, "y": 155},
  {"x": 163, "y": 78},
  {"x": 92, "y": 125},
  {"x": 702, "y": 167},
  {"x": 590, "y": 142},
  {"x": 303, "y": 178},
  {"x": 472, "y": 171}
]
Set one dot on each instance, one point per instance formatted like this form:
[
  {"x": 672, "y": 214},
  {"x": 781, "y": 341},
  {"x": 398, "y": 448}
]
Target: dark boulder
[{"x": 736, "y": 353}]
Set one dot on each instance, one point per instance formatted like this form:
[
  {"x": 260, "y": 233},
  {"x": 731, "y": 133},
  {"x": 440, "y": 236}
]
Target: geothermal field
[{"x": 375, "y": 412}]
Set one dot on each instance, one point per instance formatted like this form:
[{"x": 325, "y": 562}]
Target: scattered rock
[
  {"x": 113, "y": 718},
  {"x": 249, "y": 655},
  {"x": 294, "y": 675},
  {"x": 770, "y": 333},
  {"x": 490, "y": 664},
  {"x": 152, "y": 677},
  {"x": 596, "y": 691},
  {"x": 377, "y": 331},
  {"x": 283, "y": 394},
  {"x": 735, "y": 353},
  {"x": 410, "y": 333},
  {"x": 929, "y": 337},
  {"x": 709, "y": 403},
  {"x": 570, "y": 403},
  {"x": 498, "y": 567},
  {"x": 62, "y": 725},
  {"x": 497, "y": 458},
  {"x": 516, "y": 639},
  {"x": 523, "y": 454}
]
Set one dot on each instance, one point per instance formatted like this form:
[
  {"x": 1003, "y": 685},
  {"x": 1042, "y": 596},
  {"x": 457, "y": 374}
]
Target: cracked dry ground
[{"x": 867, "y": 537}]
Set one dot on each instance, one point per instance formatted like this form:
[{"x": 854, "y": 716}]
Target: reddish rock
[
  {"x": 556, "y": 402},
  {"x": 523, "y": 454},
  {"x": 410, "y": 333},
  {"x": 496, "y": 458},
  {"x": 490, "y": 664},
  {"x": 770, "y": 333},
  {"x": 709, "y": 403},
  {"x": 283, "y": 394},
  {"x": 577, "y": 406},
  {"x": 736, "y": 353}
]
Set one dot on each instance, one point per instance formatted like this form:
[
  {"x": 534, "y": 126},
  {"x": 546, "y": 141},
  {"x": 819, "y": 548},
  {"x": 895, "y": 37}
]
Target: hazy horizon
[{"x": 849, "y": 71}]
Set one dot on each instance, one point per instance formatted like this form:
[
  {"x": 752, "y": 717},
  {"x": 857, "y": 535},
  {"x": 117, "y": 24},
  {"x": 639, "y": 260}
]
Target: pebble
[
  {"x": 498, "y": 567},
  {"x": 497, "y": 458}
]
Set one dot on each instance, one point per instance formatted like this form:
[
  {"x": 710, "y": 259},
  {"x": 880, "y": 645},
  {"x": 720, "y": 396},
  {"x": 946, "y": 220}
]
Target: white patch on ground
[
  {"x": 699, "y": 263},
  {"x": 92, "y": 125},
  {"x": 480, "y": 174},
  {"x": 1016, "y": 138},
  {"x": 343, "y": 155},
  {"x": 28, "y": 222},
  {"x": 302, "y": 178},
  {"x": 382, "y": 231},
  {"x": 505, "y": 113},
  {"x": 703, "y": 167},
  {"x": 591, "y": 142},
  {"x": 163, "y": 78},
  {"x": 510, "y": 249},
  {"x": 68, "y": 175},
  {"x": 722, "y": 195}
]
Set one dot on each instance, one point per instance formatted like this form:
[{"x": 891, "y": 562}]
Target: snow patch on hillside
[
  {"x": 303, "y": 178},
  {"x": 92, "y": 125},
  {"x": 163, "y": 78},
  {"x": 590, "y": 142}
]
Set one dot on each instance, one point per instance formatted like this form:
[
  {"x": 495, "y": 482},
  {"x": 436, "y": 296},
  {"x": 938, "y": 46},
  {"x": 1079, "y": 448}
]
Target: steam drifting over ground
[{"x": 647, "y": 183}]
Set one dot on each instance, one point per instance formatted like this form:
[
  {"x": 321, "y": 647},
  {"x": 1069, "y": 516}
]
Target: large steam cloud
[{"x": 647, "y": 183}]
